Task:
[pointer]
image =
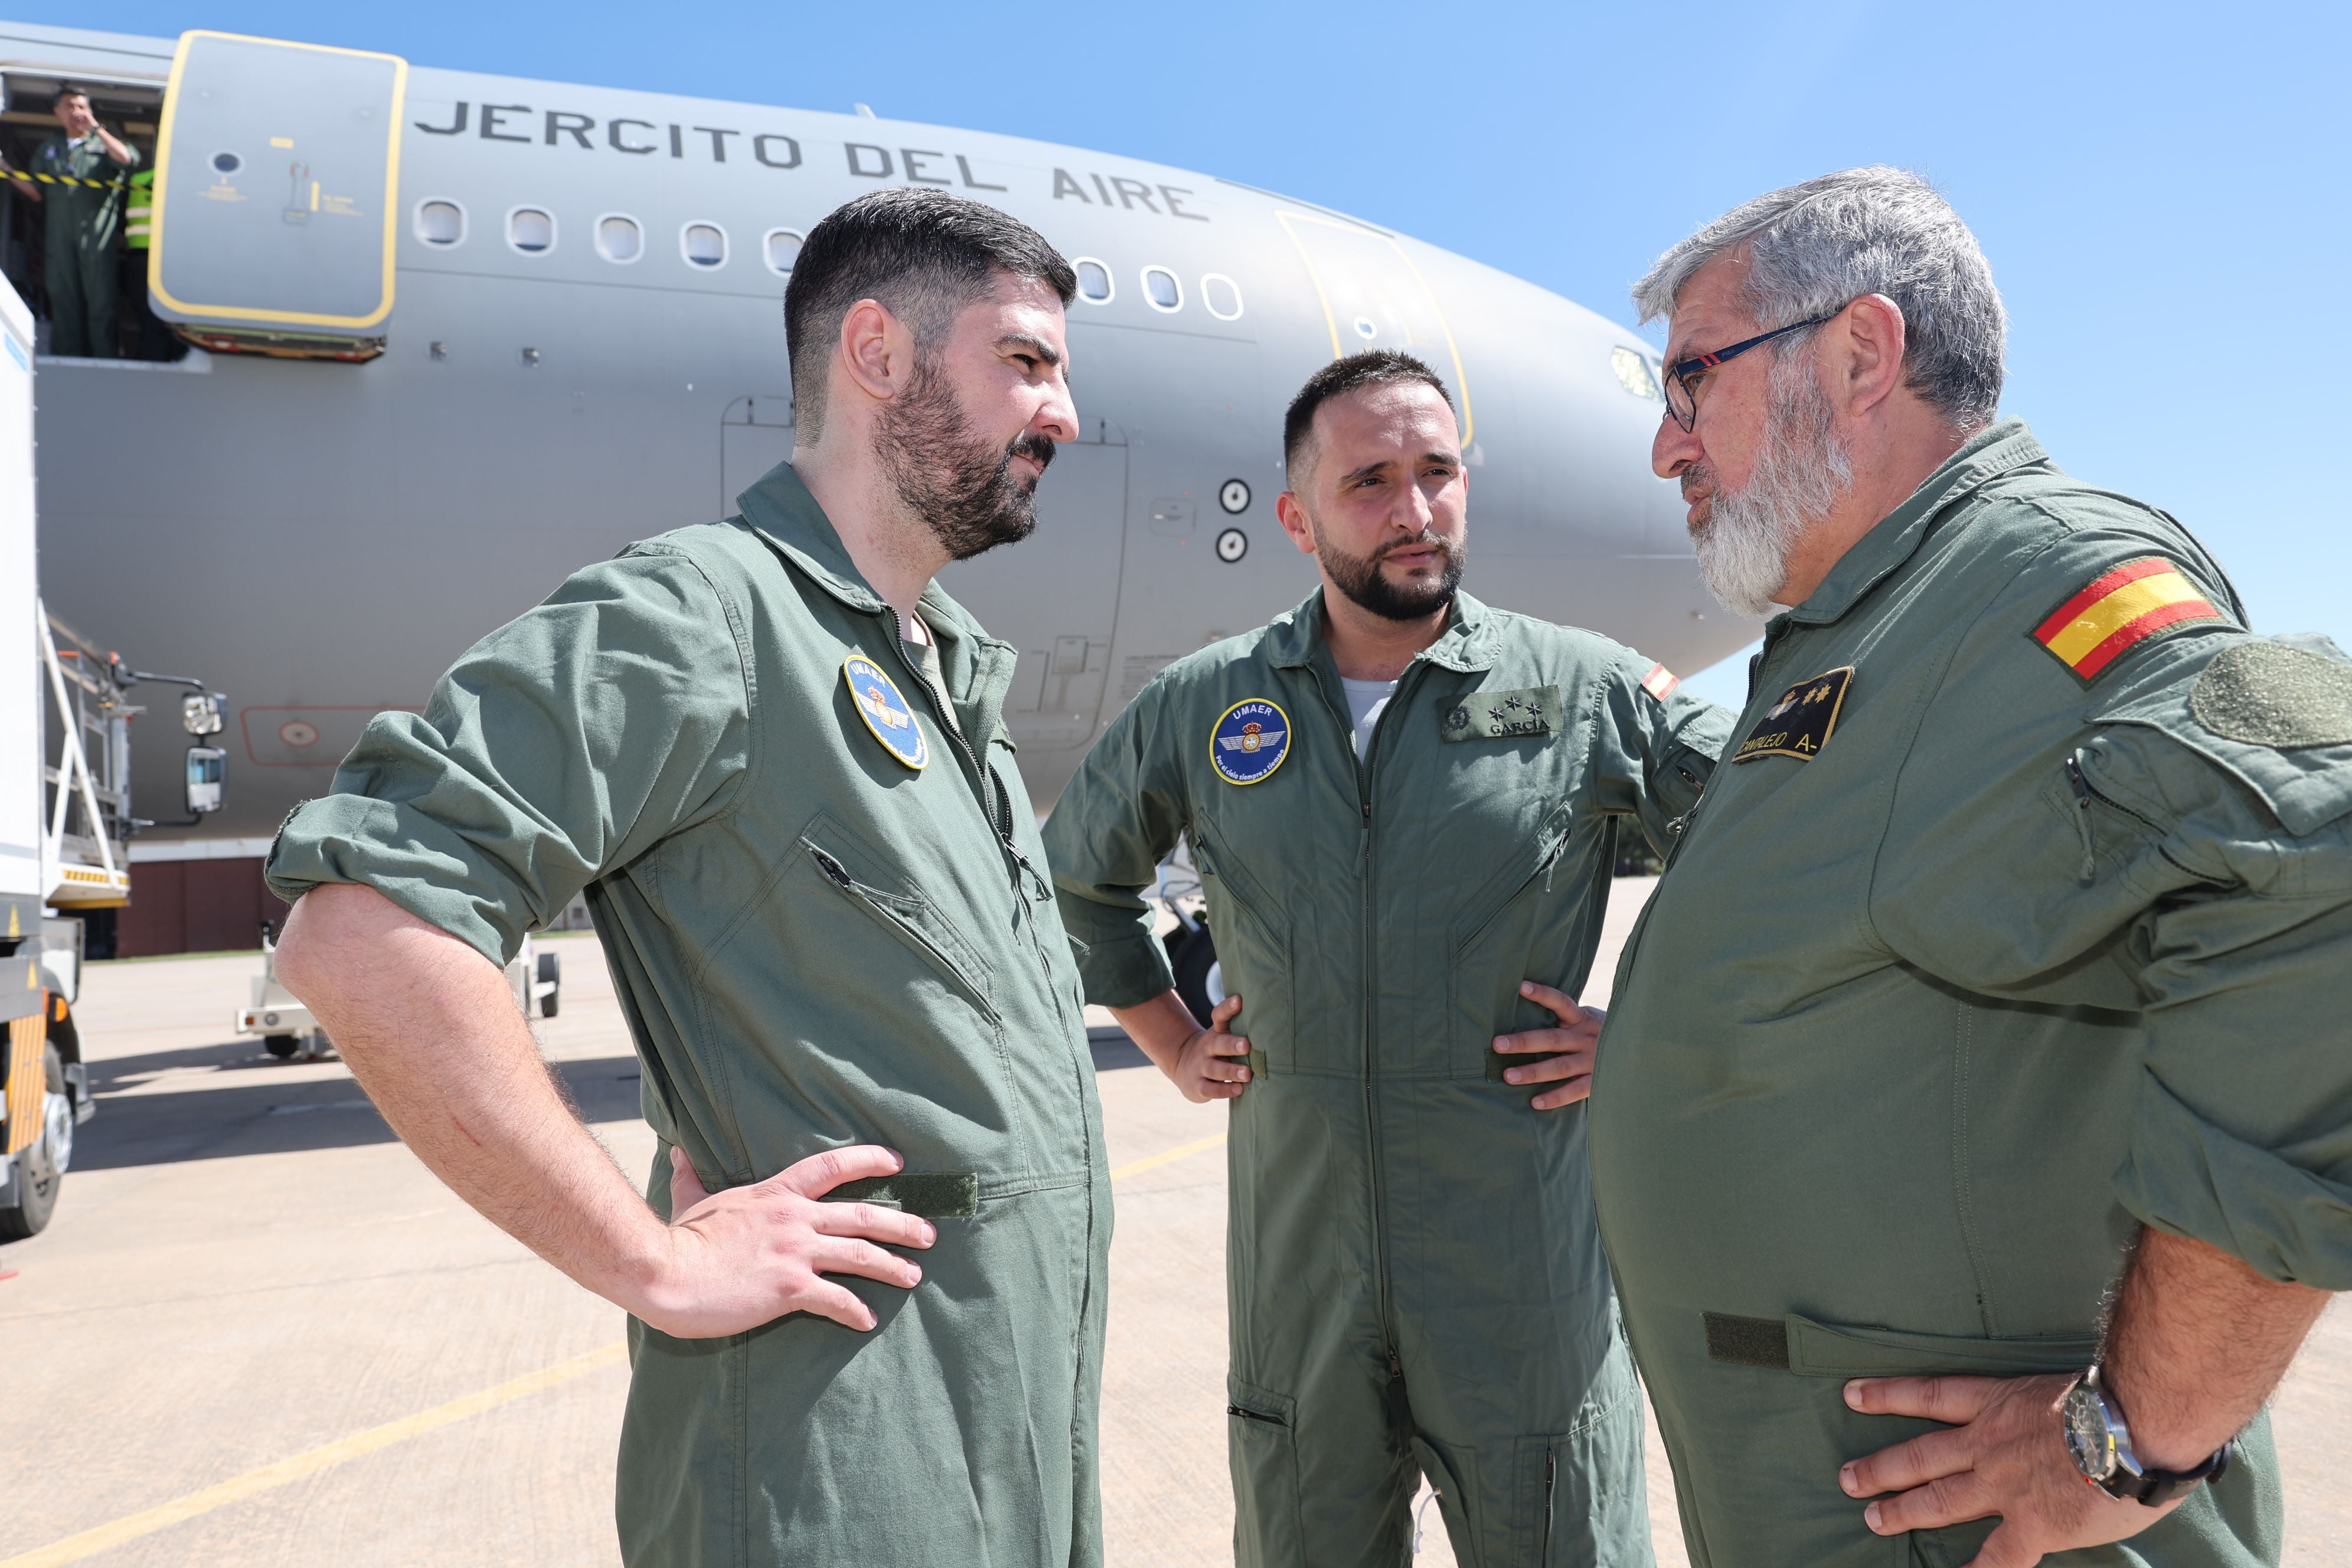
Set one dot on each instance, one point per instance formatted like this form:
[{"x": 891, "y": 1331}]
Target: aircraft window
[
  {"x": 440, "y": 223},
  {"x": 1221, "y": 295},
  {"x": 782, "y": 247},
  {"x": 1160, "y": 287},
  {"x": 703, "y": 244},
  {"x": 1093, "y": 280},
  {"x": 530, "y": 230},
  {"x": 1632, "y": 370},
  {"x": 618, "y": 238}
]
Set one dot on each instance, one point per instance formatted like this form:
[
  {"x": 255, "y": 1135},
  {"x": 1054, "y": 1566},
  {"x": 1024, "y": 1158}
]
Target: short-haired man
[
  {"x": 82, "y": 202},
  {"x": 2004, "y": 966},
  {"x": 771, "y": 754},
  {"x": 1404, "y": 807}
]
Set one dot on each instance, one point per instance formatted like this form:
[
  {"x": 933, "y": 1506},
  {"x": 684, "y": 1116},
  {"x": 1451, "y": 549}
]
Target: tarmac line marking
[
  {"x": 89, "y": 1542},
  {"x": 1132, "y": 1168}
]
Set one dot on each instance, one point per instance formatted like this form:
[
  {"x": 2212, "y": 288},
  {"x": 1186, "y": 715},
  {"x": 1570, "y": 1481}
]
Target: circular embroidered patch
[
  {"x": 1249, "y": 741},
  {"x": 885, "y": 711}
]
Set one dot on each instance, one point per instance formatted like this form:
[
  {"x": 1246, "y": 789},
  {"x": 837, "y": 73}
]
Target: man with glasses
[{"x": 1974, "y": 1121}]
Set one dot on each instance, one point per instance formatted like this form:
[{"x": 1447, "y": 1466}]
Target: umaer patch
[
  {"x": 1660, "y": 682},
  {"x": 1249, "y": 740},
  {"x": 1500, "y": 715},
  {"x": 2267, "y": 694},
  {"x": 1799, "y": 725},
  {"x": 2120, "y": 609},
  {"x": 875, "y": 697}
]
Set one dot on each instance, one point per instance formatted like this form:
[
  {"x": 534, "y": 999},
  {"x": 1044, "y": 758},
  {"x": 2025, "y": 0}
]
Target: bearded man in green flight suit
[
  {"x": 771, "y": 753},
  {"x": 83, "y": 207},
  {"x": 1404, "y": 807},
  {"x": 1974, "y": 1119}
]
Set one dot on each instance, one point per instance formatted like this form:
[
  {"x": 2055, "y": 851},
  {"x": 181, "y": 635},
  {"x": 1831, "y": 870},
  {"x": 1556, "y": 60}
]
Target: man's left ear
[{"x": 1875, "y": 339}]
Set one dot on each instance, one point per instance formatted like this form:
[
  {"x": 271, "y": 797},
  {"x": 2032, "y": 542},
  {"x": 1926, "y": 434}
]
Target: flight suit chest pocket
[
  {"x": 1253, "y": 955},
  {"x": 1520, "y": 926},
  {"x": 913, "y": 921}
]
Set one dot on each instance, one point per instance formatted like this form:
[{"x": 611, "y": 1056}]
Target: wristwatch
[{"x": 2101, "y": 1447}]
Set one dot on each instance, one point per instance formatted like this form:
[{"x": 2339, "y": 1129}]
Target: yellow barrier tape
[
  {"x": 60, "y": 180},
  {"x": 91, "y": 1543}
]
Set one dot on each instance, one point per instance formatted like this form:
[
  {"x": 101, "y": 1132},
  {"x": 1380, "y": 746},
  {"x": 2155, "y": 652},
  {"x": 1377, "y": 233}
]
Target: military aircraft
[{"x": 454, "y": 335}]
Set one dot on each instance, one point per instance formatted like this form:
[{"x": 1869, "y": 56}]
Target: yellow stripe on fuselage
[{"x": 2111, "y": 614}]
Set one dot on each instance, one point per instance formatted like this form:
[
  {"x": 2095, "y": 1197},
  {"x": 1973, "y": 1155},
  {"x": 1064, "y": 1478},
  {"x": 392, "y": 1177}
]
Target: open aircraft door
[
  {"x": 277, "y": 188},
  {"x": 1374, "y": 297}
]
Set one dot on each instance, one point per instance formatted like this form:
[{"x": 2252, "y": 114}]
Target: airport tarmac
[{"x": 259, "y": 1333}]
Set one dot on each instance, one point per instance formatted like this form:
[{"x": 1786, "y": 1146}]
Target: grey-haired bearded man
[{"x": 1975, "y": 1116}]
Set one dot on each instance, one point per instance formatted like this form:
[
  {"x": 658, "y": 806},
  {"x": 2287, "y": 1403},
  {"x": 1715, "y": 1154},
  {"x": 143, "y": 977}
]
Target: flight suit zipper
[
  {"x": 1367, "y": 767},
  {"x": 1551, "y": 1485}
]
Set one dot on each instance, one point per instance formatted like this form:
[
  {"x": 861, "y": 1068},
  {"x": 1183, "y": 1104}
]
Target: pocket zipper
[
  {"x": 2089, "y": 869},
  {"x": 906, "y": 930},
  {"x": 1246, "y": 1413}
]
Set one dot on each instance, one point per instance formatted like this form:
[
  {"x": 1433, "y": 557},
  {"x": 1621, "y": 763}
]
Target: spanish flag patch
[
  {"x": 1660, "y": 682},
  {"x": 2119, "y": 610}
]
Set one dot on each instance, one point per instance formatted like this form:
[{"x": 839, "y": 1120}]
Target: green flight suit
[
  {"x": 82, "y": 226},
  {"x": 814, "y": 945},
  {"x": 1412, "y": 1268},
  {"x": 1929, "y": 1015}
]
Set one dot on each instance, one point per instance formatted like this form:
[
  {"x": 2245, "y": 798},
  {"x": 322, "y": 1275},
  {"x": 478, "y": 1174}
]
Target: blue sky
[{"x": 2162, "y": 189}]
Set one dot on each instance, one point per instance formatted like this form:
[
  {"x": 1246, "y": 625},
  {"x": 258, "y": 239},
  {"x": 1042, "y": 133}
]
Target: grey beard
[{"x": 1802, "y": 469}]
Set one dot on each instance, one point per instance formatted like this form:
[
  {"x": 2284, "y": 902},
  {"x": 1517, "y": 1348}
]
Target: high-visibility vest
[{"x": 139, "y": 210}]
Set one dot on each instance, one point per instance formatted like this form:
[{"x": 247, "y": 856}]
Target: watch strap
[{"x": 2156, "y": 1487}]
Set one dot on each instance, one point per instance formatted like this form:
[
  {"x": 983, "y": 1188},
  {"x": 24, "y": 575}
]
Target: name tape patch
[
  {"x": 2120, "y": 609},
  {"x": 1799, "y": 725},
  {"x": 1249, "y": 740},
  {"x": 875, "y": 697},
  {"x": 1500, "y": 715}
]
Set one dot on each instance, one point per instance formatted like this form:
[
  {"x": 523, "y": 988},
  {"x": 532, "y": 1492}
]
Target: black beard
[
  {"x": 1359, "y": 578},
  {"x": 952, "y": 477}
]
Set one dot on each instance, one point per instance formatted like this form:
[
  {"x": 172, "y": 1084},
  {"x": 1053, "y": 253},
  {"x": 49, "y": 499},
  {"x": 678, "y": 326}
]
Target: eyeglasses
[{"x": 1684, "y": 376}]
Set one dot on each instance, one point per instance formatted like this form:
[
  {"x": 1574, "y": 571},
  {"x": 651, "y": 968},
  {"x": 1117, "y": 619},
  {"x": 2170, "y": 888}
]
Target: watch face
[{"x": 2089, "y": 1438}]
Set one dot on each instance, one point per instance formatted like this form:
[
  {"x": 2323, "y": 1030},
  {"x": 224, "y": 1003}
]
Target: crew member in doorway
[
  {"x": 867, "y": 1296},
  {"x": 1404, "y": 807},
  {"x": 83, "y": 206}
]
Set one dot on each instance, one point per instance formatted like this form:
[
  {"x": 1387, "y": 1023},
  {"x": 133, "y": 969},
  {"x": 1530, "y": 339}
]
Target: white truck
[
  {"x": 286, "y": 1027},
  {"x": 64, "y": 818}
]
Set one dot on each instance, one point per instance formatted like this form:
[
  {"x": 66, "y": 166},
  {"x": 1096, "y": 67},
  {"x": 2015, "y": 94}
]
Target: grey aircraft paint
[{"x": 321, "y": 539}]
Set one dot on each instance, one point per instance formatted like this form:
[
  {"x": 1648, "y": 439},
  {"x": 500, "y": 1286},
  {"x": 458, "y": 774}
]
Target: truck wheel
[
  {"x": 1192, "y": 953},
  {"x": 281, "y": 1045},
  {"x": 41, "y": 1167},
  {"x": 551, "y": 974}
]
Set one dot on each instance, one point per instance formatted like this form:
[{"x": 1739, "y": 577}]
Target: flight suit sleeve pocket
[
  {"x": 1268, "y": 1529},
  {"x": 1826, "y": 1349}
]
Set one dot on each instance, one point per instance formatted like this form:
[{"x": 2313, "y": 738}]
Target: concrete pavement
[{"x": 259, "y": 1333}]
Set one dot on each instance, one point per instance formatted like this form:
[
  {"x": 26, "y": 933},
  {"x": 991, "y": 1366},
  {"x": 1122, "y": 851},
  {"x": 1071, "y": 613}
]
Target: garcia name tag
[
  {"x": 1799, "y": 725},
  {"x": 1500, "y": 715}
]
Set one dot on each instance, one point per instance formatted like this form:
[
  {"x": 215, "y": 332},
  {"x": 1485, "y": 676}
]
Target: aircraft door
[
  {"x": 1054, "y": 597},
  {"x": 276, "y": 189},
  {"x": 1374, "y": 297}
]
